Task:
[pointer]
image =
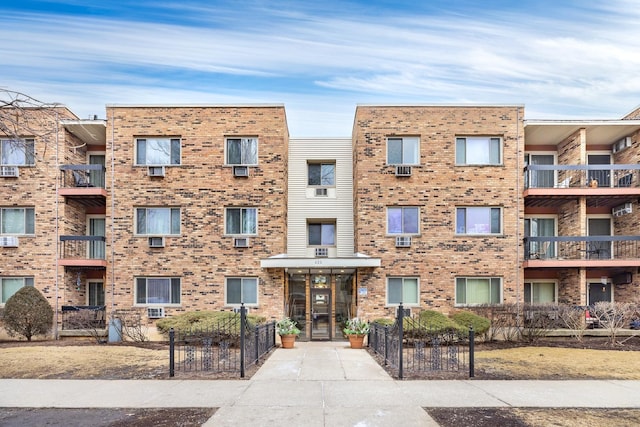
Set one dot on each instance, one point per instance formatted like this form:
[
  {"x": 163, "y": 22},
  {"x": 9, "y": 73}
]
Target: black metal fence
[
  {"x": 230, "y": 346},
  {"x": 76, "y": 317},
  {"x": 412, "y": 345}
]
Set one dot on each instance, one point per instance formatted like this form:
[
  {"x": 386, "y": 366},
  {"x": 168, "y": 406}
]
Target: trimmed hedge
[
  {"x": 466, "y": 318},
  {"x": 224, "y": 321}
]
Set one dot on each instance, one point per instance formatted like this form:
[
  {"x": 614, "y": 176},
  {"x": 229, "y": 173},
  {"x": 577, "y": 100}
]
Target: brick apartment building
[{"x": 168, "y": 209}]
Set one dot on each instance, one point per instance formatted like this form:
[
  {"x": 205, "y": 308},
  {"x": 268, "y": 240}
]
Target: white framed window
[
  {"x": 321, "y": 174},
  {"x": 95, "y": 293},
  {"x": 478, "y": 150},
  {"x": 11, "y": 285},
  {"x": 17, "y": 221},
  {"x": 241, "y": 221},
  {"x": 478, "y": 220},
  {"x": 158, "y": 290},
  {"x": 542, "y": 292},
  {"x": 17, "y": 152},
  {"x": 478, "y": 290},
  {"x": 157, "y": 151},
  {"x": 403, "y": 220},
  {"x": 242, "y": 151},
  {"x": 157, "y": 221},
  {"x": 403, "y": 151},
  {"x": 240, "y": 290},
  {"x": 405, "y": 290},
  {"x": 322, "y": 233}
]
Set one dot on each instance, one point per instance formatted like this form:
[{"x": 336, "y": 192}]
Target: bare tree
[{"x": 613, "y": 316}]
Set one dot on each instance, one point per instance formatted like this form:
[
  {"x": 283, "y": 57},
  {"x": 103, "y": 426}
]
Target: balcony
[
  {"x": 82, "y": 251},
  {"x": 591, "y": 251},
  {"x": 83, "y": 317},
  {"x": 84, "y": 183}
]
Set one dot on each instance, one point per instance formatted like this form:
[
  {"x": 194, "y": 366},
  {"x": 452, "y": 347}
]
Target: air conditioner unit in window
[
  {"x": 622, "y": 209},
  {"x": 621, "y": 144},
  {"x": 9, "y": 241},
  {"x": 403, "y": 170},
  {"x": 156, "y": 171},
  {"x": 155, "y": 312},
  {"x": 322, "y": 252},
  {"x": 241, "y": 242},
  {"x": 321, "y": 192},
  {"x": 156, "y": 242},
  {"x": 403, "y": 241},
  {"x": 241, "y": 171},
  {"x": 9, "y": 171}
]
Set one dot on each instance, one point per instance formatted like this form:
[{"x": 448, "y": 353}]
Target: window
[
  {"x": 158, "y": 221},
  {"x": 322, "y": 234},
  {"x": 403, "y": 220},
  {"x": 323, "y": 174},
  {"x": 403, "y": 290},
  {"x": 478, "y": 151},
  {"x": 157, "y": 151},
  {"x": 242, "y": 151},
  {"x": 241, "y": 221},
  {"x": 11, "y": 285},
  {"x": 157, "y": 290},
  {"x": 241, "y": 290},
  {"x": 17, "y": 152},
  {"x": 478, "y": 220},
  {"x": 403, "y": 151},
  {"x": 540, "y": 292},
  {"x": 17, "y": 221},
  {"x": 478, "y": 290}
]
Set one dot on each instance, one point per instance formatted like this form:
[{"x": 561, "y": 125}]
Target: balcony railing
[
  {"x": 83, "y": 247},
  {"x": 83, "y": 317},
  {"x": 83, "y": 176},
  {"x": 582, "y": 248},
  {"x": 567, "y": 176}
]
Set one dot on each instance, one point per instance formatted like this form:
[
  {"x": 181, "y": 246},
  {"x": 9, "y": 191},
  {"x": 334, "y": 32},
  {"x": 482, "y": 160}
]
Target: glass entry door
[{"x": 321, "y": 313}]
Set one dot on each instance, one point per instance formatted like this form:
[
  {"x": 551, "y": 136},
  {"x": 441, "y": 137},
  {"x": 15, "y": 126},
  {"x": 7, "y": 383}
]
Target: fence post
[
  {"x": 243, "y": 318},
  {"x": 257, "y": 343},
  {"x": 172, "y": 348},
  {"x": 472, "y": 336},
  {"x": 400, "y": 338}
]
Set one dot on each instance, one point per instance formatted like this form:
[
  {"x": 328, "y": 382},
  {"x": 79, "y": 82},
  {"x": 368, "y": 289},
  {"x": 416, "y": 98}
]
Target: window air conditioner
[
  {"x": 621, "y": 145},
  {"x": 403, "y": 170},
  {"x": 9, "y": 171},
  {"x": 322, "y": 252},
  {"x": 156, "y": 242},
  {"x": 241, "y": 171},
  {"x": 622, "y": 209},
  {"x": 155, "y": 312},
  {"x": 322, "y": 192},
  {"x": 403, "y": 241},
  {"x": 9, "y": 241},
  {"x": 156, "y": 171},
  {"x": 241, "y": 242}
]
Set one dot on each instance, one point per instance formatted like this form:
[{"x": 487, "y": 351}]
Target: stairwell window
[
  {"x": 478, "y": 150},
  {"x": 478, "y": 290},
  {"x": 242, "y": 151},
  {"x": 241, "y": 221},
  {"x": 478, "y": 220},
  {"x": 17, "y": 152},
  {"x": 157, "y": 151},
  {"x": 403, "y": 151},
  {"x": 322, "y": 234},
  {"x": 11, "y": 285},
  {"x": 322, "y": 174},
  {"x": 17, "y": 221},
  {"x": 158, "y": 221},
  {"x": 240, "y": 290},
  {"x": 403, "y": 290},
  {"x": 403, "y": 220},
  {"x": 157, "y": 290}
]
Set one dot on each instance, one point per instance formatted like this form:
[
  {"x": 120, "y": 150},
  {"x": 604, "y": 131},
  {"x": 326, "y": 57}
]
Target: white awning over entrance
[{"x": 284, "y": 261}]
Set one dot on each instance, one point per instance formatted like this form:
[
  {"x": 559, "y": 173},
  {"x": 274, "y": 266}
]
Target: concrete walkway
[{"x": 318, "y": 384}]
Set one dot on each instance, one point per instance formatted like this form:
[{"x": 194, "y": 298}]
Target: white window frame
[
  {"x": 168, "y": 139},
  {"x": 242, "y": 210},
  {"x": 321, "y": 164},
  {"x": 242, "y": 281},
  {"x": 241, "y": 138},
  {"x": 24, "y": 220},
  {"x": 465, "y": 231},
  {"x": 403, "y": 140},
  {"x": 404, "y": 303},
  {"x": 488, "y": 139},
  {"x": 491, "y": 281},
  {"x": 147, "y": 208},
  {"x": 26, "y": 281},
  {"x": 171, "y": 280},
  {"x": 322, "y": 223},
  {"x": 28, "y": 155},
  {"x": 532, "y": 283},
  {"x": 403, "y": 232}
]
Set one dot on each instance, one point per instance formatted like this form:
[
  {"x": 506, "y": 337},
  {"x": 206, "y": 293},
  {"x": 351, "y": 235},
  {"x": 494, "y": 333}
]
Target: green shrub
[
  {"x": 27, "y": 313},
  {"x": 430, "y": 322},
  {"x": 466, "y": 318},
  {"x": 226, "y": 321},
  {"x": 384, "y": 321}
]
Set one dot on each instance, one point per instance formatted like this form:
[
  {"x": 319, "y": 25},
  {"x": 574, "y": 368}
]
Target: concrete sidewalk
[{"x": 318, "y": 384}]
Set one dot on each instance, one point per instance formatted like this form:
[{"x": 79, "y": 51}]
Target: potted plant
[
  {"x": 288, "y": 332},
  {"x": 356, "y": 329}
]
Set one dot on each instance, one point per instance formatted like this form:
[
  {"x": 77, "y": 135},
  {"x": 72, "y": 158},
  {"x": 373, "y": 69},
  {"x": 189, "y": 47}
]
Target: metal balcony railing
[
  {"x": 82, "y": 317},
  {"x": 581, "y": 248},
  {"x": 82, "y": 247},
  {"x": 82, "y": 176},
  {"x": 568, "y": 176}
]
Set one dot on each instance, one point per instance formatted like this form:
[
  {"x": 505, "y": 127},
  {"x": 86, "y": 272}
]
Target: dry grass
[{"x": 579, "y": 417}]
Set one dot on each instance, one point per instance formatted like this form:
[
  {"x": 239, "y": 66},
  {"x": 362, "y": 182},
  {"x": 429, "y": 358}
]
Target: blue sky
[{"x": 573, "y": 59}]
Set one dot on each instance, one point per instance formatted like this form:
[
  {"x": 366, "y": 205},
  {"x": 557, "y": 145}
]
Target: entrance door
[
  {"x": 599, "y": 292},
  {"x": 97, "y": 178},
  {"x": 601, "y": 176},
  {"x": 541, "y": 179},
  {"x": 96, "y": 227},
  {"x": 599, "y": 249},
  {"x": 321, "y": 313}
]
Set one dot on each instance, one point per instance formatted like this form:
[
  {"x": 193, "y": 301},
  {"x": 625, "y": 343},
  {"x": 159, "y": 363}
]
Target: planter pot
[
  {"x": 356, "y": 341},
  {"x": 288, "y": 340}
]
